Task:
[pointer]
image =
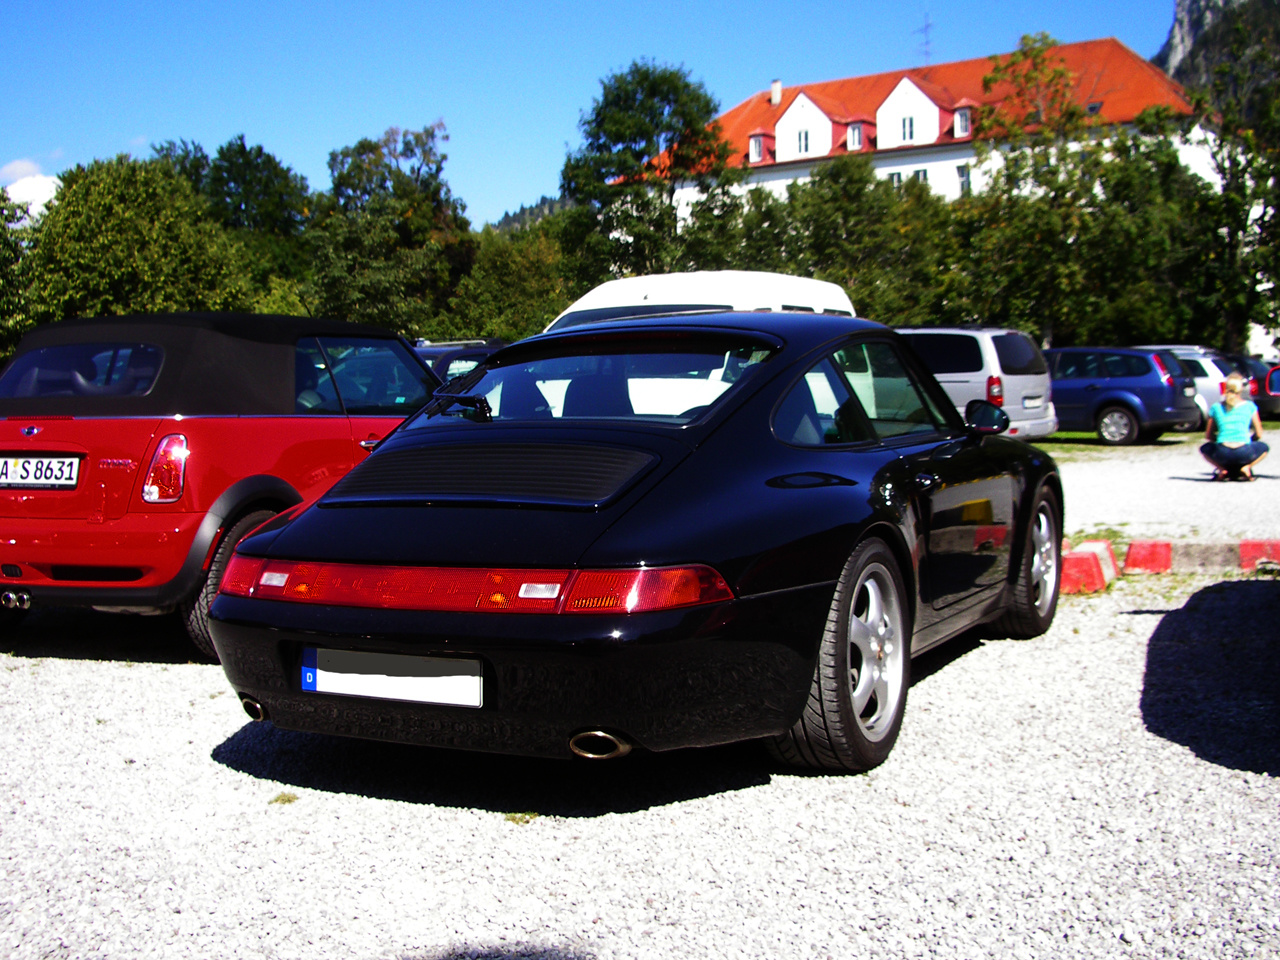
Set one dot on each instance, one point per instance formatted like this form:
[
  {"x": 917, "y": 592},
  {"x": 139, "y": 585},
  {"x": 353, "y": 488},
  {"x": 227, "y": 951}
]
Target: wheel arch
[
  {"x": 258, "y": 492},
  {"x": 1031, "y": 489},
  {"x": 1130, "y": 401},
  {"x": 893, "y": 537}
]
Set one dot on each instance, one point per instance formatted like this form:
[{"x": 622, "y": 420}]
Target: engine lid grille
[{"x": 576, "y": 475}]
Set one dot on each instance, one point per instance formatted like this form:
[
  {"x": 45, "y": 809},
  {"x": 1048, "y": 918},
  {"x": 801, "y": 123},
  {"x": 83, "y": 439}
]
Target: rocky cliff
[{"x": 1191, "y": 18}]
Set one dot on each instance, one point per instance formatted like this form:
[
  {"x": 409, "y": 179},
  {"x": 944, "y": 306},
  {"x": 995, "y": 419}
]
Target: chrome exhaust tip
[
  {"x": 598, "y": 745},
  {"x": 24, "y": 600},
  {"x": 9, "y": 600},
  {"x": 253, "y": 708}
]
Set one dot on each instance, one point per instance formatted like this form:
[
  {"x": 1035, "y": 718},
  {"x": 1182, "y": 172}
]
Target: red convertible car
[{"x": 136, "y": 451}]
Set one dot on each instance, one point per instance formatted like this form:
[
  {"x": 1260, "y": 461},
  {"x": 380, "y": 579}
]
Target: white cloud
[
  {"x": 36, "y": 190},
  {"x": 18, "y": 169}
]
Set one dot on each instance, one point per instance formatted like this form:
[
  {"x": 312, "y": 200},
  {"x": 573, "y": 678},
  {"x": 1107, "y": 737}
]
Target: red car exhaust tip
[{"x": 598, "y": 745}]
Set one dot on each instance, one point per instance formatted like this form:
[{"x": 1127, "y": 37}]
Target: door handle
[{"x": 370, "y": 443}]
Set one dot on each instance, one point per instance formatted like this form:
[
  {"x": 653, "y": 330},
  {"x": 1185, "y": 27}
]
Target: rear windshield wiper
[{"x": 478, "y": 402}]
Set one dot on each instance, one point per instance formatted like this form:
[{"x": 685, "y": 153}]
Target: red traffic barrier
[{"x": 1149, "y": 556}]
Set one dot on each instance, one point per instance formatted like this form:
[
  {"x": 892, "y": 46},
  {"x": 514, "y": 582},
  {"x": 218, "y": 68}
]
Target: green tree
[
  {"x": 12, "y": 244},
  {"x": 515, "y": 289},
  {"x": 650, "y": 129},
  {"x": 1241, "y": 114},
  {"x": 392, "y": 242},
  {"x": 130, "y": 236}
]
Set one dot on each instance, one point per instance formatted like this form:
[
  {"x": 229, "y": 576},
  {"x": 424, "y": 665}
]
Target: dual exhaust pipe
[{"x": 15, "y": 600}]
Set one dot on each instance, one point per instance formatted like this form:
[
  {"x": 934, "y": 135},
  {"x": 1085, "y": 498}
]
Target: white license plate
[
  {"x": 1188, "y": 391},
  {"x": 44, "y": 472},
  {"x": 1032, "y": 403},
  {"x": 390, "y": 676}
]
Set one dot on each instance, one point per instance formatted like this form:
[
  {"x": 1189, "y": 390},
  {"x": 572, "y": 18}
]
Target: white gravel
[
  {"x": 1164, "y": 491},
  {"x": 1107, "y": 790}
]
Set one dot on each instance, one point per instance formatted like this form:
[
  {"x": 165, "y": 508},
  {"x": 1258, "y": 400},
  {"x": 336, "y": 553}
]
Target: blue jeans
[{"x": 1233, "y": 458}]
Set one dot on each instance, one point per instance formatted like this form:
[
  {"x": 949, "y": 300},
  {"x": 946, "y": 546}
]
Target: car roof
[
  {"x": 797, "y": 330},
  {"x": 214, "y": 364},
  {"x": 258, "y": 327}
]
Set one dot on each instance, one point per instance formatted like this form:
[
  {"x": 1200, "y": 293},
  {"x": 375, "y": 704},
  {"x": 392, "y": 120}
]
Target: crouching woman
[{"x": 1234, "y": 432}]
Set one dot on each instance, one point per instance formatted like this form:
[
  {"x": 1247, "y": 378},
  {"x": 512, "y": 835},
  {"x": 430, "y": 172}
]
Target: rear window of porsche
[
  {"x": 84, "y": 370},
  {"x": 656, "y": 382}
]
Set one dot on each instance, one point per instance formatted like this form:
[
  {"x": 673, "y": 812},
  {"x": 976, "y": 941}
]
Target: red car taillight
[
  {"x": 1164, "y": 372},
  {"x": 995, "y": 391},
  {"x": 168, "y": 471},
  {"x": 460, "y": 590},
  {"x": 1253, "y": 387}
]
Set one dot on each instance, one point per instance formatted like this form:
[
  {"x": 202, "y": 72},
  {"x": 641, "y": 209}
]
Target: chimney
[{"x": 775, "y": 92}]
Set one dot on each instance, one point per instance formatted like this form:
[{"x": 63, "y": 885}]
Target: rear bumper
[
  {"x": 140, "y": 560},
  {"x": 660, "y": 681},
  {"x": 1038, "y": 427}
]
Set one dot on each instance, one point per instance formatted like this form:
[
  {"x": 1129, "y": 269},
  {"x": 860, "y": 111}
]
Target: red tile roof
[{"x": 1104, "y": 71}]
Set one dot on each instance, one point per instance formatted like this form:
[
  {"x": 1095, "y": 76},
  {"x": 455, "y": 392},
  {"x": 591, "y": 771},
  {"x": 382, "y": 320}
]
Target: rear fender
[
  {"x": 1119, "y": 398},
  {"x": 261, "y": 491}
]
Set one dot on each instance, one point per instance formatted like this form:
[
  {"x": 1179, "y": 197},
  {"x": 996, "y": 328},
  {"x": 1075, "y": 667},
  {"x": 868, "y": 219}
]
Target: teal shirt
[{"x": 1234, "y": 426}]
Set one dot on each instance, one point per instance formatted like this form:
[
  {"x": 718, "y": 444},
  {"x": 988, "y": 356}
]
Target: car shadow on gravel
[
  {"x": 72, "y": 633},
  {"x": 1212, "y": 679},
  {"x": 502, "y": 784},
  {"x": 505, "y": 952}
]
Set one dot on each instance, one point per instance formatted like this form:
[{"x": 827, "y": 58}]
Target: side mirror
[
  {"x": 1273, "y": 382},
  {"x": 984, "y": 418}
]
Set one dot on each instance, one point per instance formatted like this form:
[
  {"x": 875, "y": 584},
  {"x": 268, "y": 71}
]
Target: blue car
[{"x": 1125, "y": 394}]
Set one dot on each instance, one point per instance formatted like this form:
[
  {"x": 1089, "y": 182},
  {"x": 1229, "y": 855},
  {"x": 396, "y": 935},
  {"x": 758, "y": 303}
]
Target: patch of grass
[
  {"x": 521, "y": 818},
  {"x": 283, "y": 798}
]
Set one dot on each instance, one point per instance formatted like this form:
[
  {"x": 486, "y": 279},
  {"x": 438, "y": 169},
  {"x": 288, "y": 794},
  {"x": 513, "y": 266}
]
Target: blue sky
[{"x": 93, "y": 79}]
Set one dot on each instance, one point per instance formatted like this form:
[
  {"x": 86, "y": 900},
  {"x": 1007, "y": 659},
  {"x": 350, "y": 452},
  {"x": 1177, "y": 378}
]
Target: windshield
[{"x": 663, "y": 383}]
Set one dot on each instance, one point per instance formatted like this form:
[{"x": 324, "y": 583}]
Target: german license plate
[
  {"x": 389, "y": 676},
  {"x": 49, "y": 473},
  {"x": 1032, "y": 403}
]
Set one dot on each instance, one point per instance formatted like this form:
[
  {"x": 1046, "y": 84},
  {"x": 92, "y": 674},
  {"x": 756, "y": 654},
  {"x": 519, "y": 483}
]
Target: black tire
[
  {"x": 859, "y": 688},
  {"x": 1033, "y": 596},
  {"x": 1118, "y": 427},
  {"x": 195, "y": 612}
]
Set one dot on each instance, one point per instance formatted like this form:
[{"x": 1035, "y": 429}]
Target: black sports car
[{"x": 652, "y": 534}]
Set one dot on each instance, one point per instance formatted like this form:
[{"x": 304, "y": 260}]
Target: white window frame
[
  {"x": 853, "y": 139},
  {"x": 755, "y": 149},
  {"x": 962, "y": 122},
  {"x": 803, "y": 142},
  {"x": 908, "y": 129}
]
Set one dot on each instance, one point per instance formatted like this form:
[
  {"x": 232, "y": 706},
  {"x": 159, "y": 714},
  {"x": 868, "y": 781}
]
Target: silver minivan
[{"x": 990, "y": 363}]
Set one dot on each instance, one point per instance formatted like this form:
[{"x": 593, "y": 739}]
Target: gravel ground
[
  {"x": 1109, "y": 789},
  {"x": 1164, "y": 491}
]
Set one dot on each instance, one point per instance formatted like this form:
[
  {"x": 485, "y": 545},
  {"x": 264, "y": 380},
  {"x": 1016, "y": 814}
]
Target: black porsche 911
[{"x": 660, "y": 534}]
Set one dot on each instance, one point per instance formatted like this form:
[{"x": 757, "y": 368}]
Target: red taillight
[
  {"x": 468, "y": 589},
  {"x": 1253, "y": 387},
  {"x": 241, "y": 575},
  {"x": 1164, "y": 372},
  {"x": 995, "y": 391},
  {"x": 646, "y": 589},
  {"x": 168, "y": 470}
]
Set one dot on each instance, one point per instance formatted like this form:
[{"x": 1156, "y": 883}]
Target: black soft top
[{"x": 214, "y": 363}]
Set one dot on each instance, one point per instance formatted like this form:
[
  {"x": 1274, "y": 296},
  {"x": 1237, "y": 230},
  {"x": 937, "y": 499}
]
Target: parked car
[
  {"x": 452, "y": 358},
  {"x": 656, "y": 534},
  {"x": 135, "y": 451},
  {"x": 990, "y": 363},
  {"x": 1207, "y": 367},
  {"x": 1126, "y": 394},
  {"x": 1257, "y": 372},
  {"x": 704, "y": 291}
]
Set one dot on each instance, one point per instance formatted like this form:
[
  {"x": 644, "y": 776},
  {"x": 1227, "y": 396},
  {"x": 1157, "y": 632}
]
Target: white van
[{"x": 704, "y": 290}]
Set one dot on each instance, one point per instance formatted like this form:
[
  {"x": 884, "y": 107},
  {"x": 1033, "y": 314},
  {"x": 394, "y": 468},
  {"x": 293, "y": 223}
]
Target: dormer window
[
  {"x": 853, "y": 139},
  {"x": 908, "y": 129},
  {"x": 962, "y": 122},
  {"x": 803, "y": 145},
  {"x": 755, "y": 149},
  {"x": 1093, "y": 108}
]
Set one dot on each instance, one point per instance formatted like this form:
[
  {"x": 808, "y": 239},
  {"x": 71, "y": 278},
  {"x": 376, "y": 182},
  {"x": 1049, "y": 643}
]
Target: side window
[
  {"x": 313, "y": 390},
  {"x": 375, "y": 377},
  {"x": 1194, "y": 367},
  {"x": 1077, "y": 366},
  {"x": 820, "y": 410},
  {"x": 895, "y": 403}
]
